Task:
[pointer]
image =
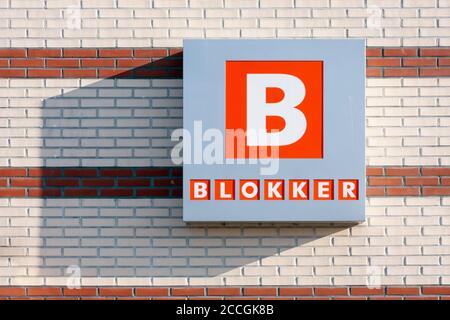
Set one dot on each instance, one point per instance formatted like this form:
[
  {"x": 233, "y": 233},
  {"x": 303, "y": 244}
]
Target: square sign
[{"x": 273, "y": 130}]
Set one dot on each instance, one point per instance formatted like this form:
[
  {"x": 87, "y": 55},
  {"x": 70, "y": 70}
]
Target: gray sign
[{"x": 333, "y": 75}]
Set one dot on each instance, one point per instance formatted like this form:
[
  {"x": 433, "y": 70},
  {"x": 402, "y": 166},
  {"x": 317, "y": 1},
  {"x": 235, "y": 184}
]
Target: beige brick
[
  {"x": 241, "y": 3},
  {"x": 276, "y": 3},
  {"x": 314, "y": 281},
  {"x": 403, "y": 271},
  {"x": 357, "y": 260},
  {"x": 242, "y": 281},
  {"x": 295, "y": 271}
]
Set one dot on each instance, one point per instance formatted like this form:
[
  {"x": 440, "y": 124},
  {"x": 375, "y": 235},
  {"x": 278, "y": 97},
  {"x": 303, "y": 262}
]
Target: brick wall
[
  {"x": 228, "y": 293},
  {"x": 90, "y": 92},
  {"x": 167, "y": 62},
  {"x": 164, "y": 23}
]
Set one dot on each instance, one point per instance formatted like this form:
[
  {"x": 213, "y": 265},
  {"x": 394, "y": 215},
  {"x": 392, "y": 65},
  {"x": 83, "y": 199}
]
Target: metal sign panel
[{"x": 273, "y": 130}]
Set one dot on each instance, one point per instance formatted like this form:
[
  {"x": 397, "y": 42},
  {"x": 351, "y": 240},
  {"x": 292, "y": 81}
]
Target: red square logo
[{"x": 274, "y": 105}]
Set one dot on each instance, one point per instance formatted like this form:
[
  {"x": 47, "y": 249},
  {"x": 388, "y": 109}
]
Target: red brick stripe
[
  {"x": 166, "y": 182},
  {"x": 90, "y": 63},
  {"x": 407, "y": 181},
  {"x": 167, "y": 62},
  {"x": 342, "y": 292},
  {"x": 161, "y": 182},
  {"x": 408, "y": 62}
]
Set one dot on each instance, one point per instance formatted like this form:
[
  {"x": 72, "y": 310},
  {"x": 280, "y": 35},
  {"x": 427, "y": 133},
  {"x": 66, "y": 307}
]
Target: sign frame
[{"x": 343, "y": 129}]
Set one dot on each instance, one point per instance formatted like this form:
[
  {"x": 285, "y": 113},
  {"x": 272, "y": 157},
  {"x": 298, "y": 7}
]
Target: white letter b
[{"x": 258, "y": 109}]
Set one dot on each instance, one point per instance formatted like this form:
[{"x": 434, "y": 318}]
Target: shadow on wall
[{"x": 126, "y": 121}]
